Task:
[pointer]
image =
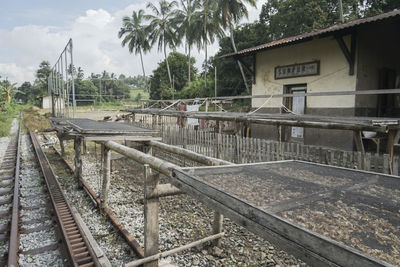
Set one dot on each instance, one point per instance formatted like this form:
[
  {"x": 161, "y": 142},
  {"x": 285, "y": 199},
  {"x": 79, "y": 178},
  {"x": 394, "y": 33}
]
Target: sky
[{"x": 35, "y": 30}]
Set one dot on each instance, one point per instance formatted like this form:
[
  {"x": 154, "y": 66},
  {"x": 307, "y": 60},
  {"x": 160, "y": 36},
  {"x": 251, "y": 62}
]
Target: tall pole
[
  {"x": 66, "y": 82},
  {"x": 173, "y": 87},
  {"x": 73, "y": 83},
  {"x": 62, "y": 85},
  {"x": 341, "y": 11},
  {"x": 215, "y": 82}
]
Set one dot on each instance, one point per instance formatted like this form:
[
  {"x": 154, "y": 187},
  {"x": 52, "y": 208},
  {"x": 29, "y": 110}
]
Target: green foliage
[
  {"x": 229, "y": 80},
  {"x": 9, "y": 110},
  {"x": 159, "y": 81},
  {"x": 25, "y": 93},
  {"x": 375, "y": 7},
  {"x": 84, "y": 88},
  {"x": 197, "y": 89},
  {"x": 40, "y": 85}
]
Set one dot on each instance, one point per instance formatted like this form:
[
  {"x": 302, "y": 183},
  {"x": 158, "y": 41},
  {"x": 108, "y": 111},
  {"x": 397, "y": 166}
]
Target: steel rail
[
  {"x": 78, "y": 249},
  {"x": 114, "y": 220},
  {"x": 14, "y": 231}
]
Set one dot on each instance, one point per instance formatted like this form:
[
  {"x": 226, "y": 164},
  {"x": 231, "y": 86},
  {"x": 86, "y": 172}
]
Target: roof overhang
[{"x": 335, "y": 30}]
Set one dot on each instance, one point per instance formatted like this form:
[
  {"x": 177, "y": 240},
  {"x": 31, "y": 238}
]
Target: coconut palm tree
[
  {"x": 206, "y": 19},
  {"x": 231, "y": 12},
  {"x": 186, "y": 20},
  {"x": 135, "y": 34},
  {"x": 163, "y": 27}
]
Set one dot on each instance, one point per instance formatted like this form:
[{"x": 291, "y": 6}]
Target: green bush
[{"x": 8, "y": 112}]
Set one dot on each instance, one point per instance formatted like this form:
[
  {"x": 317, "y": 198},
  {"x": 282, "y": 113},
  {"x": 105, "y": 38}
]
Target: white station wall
[{"x": 334, "y": 73}]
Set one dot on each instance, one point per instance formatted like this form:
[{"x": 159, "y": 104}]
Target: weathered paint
[{"x": 334, "y": 73}]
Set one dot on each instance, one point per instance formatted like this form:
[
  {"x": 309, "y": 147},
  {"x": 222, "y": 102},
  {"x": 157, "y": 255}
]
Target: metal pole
[
  {"x": 66, "y": 82},
  {"x": 56, "y": 91},
  {"x": 73, "y": 83},
  {"x": 62, "y": 85}
]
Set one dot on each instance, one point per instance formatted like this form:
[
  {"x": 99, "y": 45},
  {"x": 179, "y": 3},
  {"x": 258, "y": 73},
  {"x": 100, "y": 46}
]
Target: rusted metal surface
[
  {"x": 10, "y": 175},
  {"x": 335, "y": 29},
  {"x": 114, "y": 220},
  {"x": 78, "y": 249}
]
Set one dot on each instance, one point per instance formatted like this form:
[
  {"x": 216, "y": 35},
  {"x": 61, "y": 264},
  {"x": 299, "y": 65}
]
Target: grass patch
[
  {"x": 35, "y": 121},
  {"x": 7, "y": 114}
]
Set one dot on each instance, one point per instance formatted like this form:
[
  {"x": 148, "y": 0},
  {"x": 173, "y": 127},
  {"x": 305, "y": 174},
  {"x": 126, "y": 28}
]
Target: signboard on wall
[{"x": 297, "y": 70}]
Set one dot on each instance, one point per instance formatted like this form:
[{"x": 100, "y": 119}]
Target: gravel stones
[
  {"x": 50, "y": 258},
  {"x": 182, "y": 220},
  {"x": 34, "y": 213},
  {"x": 111, "y": 243}
]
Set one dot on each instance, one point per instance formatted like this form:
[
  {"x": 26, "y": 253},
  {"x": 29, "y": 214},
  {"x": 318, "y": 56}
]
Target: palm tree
[
  {"x": 163, "y": 28},
  {"x": 135, "y": 34},
  {"x": 231, "y": 12},
  {"x": 207, "y": 20},
  {"x": 186, "y": 20}
]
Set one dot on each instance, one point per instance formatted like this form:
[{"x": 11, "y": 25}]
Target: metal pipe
[
  {"x": 72, "y": 79},
  {"x": 66, "y": 83}
]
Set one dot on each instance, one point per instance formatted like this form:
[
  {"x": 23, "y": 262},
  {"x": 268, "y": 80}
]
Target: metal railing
[{"x": 61, "y": 86}]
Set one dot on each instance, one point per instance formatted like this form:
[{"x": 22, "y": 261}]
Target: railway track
[{"x": 37, "y": 225}]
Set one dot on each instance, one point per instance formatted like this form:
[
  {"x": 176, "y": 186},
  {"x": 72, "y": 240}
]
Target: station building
[{"x": 363, "y": 54}]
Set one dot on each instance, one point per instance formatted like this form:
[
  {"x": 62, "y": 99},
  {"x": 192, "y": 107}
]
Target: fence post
[
  {"x": 106, "y": 175},
  {"x": 151, "y": 209},
  {"x": 78, "y": 160}
]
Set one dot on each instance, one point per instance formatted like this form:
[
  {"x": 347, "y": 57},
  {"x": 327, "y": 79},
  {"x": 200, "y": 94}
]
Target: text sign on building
[{"x": 297, "y": 70}]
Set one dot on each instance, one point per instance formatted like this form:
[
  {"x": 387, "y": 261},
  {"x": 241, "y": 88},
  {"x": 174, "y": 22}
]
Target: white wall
[{"x": 334, "y": 73}]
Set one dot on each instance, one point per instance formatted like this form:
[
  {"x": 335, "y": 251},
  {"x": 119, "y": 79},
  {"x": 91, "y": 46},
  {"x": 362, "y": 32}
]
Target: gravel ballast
[
  {"x": 182, "y": 220},
  {"x": 35, "y": 213}
]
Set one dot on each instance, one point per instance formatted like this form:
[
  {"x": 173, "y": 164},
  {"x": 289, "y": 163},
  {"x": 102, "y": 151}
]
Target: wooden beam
[
  {"x": 313, "y": 248},
  {"x": 78, "y": 159},
  {"x": 151, "y": 225},
  {"x": 163, "y": 190},
  {"x": 334, "y": 93},
  {"x": 188, "y": 154},
  {"x": 217, "y": 227},
  {"x": 104, "y": 138},
  {"x": 245, "y": 66},
  {"x": 358, "y": 141},
  {"x": 106, "y": 175},
  {"x": 159, "y": 165},
  {"x": 348, "y": 54},
  {"x": 254, "y": 68},
  {"x": 312, "y": 121},
  {"x": 173, "y": 251}
]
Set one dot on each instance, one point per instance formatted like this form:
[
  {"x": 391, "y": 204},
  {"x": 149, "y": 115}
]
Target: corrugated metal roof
[{"x": 316, "y": 33}]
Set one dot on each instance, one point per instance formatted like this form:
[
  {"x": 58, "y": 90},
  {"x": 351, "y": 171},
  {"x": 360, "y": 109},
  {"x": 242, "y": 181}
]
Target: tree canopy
[{"x": 159, "y": 79}]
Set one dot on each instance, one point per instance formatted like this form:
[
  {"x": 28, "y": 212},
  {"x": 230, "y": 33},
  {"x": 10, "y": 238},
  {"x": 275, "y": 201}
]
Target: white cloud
[{"x": 96, "y": 46}]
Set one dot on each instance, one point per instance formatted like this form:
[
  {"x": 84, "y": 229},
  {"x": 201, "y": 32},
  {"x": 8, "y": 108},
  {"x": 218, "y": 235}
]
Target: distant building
[
  {"x": 359, "y": 55},
  {"x": 46, "y": 102}
]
